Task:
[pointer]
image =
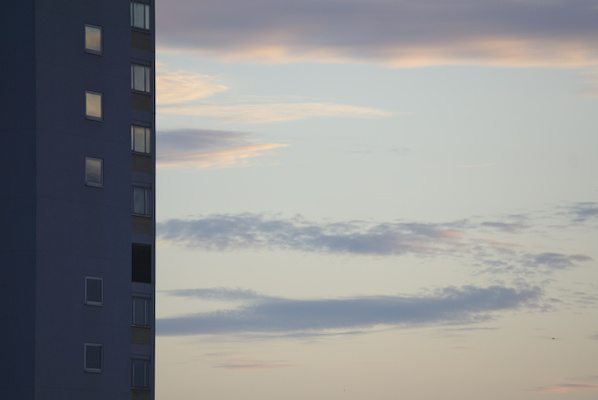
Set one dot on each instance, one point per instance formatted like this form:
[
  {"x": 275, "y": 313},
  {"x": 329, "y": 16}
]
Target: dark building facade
[{"x": 77, "y": 236}]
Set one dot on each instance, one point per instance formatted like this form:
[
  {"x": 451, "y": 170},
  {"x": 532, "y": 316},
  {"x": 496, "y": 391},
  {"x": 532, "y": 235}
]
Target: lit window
[
  {"x": 141, "y": 263},
  {"x": 140, "y": 373},
  {"x": 94, "y": 291},
  {"x": 140, "y": 78},
  {"x": 92, "y": 358},
  {"x": 140, "y": 139},
  {"x": 93, "y": 105},
  {"x": 140, "y": 15},
  {"x": 93, "y": 39},
  {"x": 141, "y": 200},
  {"x": 94, "y": 172},
  {"x": 141, "y": 311}
]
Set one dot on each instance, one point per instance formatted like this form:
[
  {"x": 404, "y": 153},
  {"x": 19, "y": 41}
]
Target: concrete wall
[{"x": 56, "y": 229}]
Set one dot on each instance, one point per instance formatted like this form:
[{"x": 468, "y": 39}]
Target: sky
[{"x": 377, "y": 199}]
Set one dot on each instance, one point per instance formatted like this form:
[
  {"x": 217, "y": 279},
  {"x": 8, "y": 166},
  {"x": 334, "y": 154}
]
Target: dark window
[
  {"x": 141, "y": 312},
  {"x": 94, "y": 291},
  {"x": 92, "y": 357},
  {"x": 141, "y": 201},
  {"x": 142, "y": 263},
  {"x": 94, "y": 174},
  {"x": 140, "y": 373}
]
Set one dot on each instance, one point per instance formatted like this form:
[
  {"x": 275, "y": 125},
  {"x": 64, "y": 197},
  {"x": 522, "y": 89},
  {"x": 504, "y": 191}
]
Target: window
[
  {"x": 140, "y": 139},
  {"x": 93, "y": 105},
  {"x": 141, "y": 312},
  {"x": 94, "y": 291},
  {"x": 140, "y": 15},
  {"x": 140, "y": 78},
  {"x": 140, "y": 373},
  {"x": 93, "y": 39},
  {"x": 94, "y": 172},
  {"x": 141, "y": 263},
  {"x": 141, "y": 201},
  {"x": 92, "y": 358}
]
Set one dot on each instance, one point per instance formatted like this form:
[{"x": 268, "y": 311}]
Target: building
[{"x": 77, "y": 165}]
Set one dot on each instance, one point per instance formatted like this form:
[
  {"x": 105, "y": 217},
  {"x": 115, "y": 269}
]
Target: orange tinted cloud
[
  {"x": 566, "y": 388},
  {"x": 202, "y": 148},
  {"x": 174, "y": 87},
  {"x": 273, "y": 112},
  {"x": 401, "y": 33}
]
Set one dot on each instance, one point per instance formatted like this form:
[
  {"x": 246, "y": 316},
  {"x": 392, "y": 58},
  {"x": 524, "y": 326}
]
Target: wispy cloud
[
  {"x": 176, "y": 87},
  {"x": 456, "y": 239},
  {"x": 202, "y": 148},
  {"x": 582, "y": 212},
  {"x": 260, "y": 113},
  {"x": 566, "y": 388},
  {"x": 555, "y": 260},
  {"x": 398, "y": 33},
  {"x": 243, "y": 361},
  {"x": 272, "y": 315}
]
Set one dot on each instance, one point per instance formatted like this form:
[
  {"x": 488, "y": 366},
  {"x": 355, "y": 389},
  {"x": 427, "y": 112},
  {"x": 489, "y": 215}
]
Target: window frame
[
  {"x": 146, "y": 323},
  {"x": 147, "y": 139},
  {"x": 90, "y": 50},
  {"x": 146, "y": 16},
  {"x": 87, "y": 368},
  {"x": 88, "y": 182},
  {"x": 93, "y": 302},
  {"x": 142, "y": 263},
  {"x": 147, "y": 200},
  {"x": 87, "y": 114},
  {"x": 147, "y": 78},
  {"x": 146, "y": 363}
]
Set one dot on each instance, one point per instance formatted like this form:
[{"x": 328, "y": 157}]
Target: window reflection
[
  {"x": 93, "y": 39},
  {"x": 140, "y": 139},
  {"x": 93, "y": 105},
  {"x": 140, "y": 78}
]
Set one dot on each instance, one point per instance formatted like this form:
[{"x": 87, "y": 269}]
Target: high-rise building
[{"x": 77, "y": 211}]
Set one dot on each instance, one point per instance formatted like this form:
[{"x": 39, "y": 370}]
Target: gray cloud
[
  {"x": 582, "y": 212},
  {"x": 555, "y": 260},
  {"x": 511, "y": 227},
  {"x": 263, "y": 314},
  {"x": 229, "y": 231},
  {"x": 401, "y": 32},
  {"x": 456, "y": 239}
]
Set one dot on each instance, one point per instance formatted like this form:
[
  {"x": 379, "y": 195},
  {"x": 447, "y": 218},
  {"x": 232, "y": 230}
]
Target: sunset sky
[{"x": 377, "y": 199}]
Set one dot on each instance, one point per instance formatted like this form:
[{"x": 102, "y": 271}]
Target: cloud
[
  {"x": 242, "y": 361},
  {"x": 400, "y": 33},
  {"x": 266, "y": 315},
  {"x": 180, "y": 93},
  {"x": 511, "y": 227},
  {"x": 566, "y": 388},
  {"x": 230, "y": 231},
  {"x": 460, "y": 239},
  {"x": 174, "y": 87},
  {"x": 204, "y": 148},
  {"x": 582, "y": 212},
  {"x": 556, "y": 260},
  {"x": 260, "y": 113}
]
